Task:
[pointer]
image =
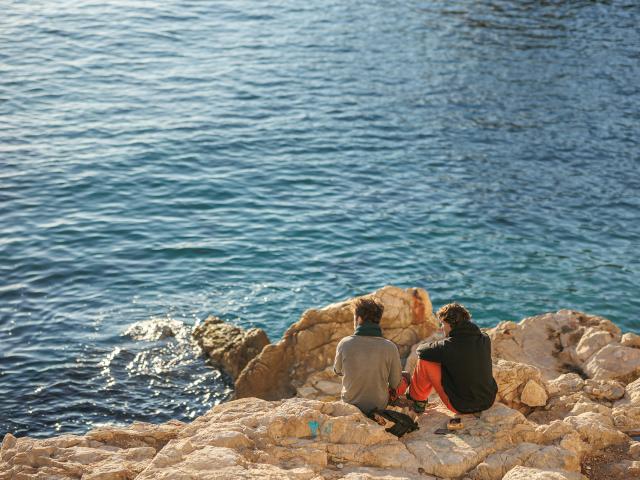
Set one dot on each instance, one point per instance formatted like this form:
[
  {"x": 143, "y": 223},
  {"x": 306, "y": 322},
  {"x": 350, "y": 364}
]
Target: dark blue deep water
[{"x": 161, "y": 161}]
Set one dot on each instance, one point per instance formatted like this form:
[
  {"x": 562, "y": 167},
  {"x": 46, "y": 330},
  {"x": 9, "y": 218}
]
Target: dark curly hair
[
  {"x": 454, "y": 314},
  {"x": 369, "y": 310}
]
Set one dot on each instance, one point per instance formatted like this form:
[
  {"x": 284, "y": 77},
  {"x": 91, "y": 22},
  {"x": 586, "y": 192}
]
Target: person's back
[
  {"x": 369, "y": 363},
  {"x": 465, "y": 358},
  {"x": 459, "y": 366}
]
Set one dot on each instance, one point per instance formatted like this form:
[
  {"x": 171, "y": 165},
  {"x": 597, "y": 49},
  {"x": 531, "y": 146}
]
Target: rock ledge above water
[{"x": 568, "y": 392}]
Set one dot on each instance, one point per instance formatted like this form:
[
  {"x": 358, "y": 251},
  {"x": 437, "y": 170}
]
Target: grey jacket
[{"x": 369, "y": 366}]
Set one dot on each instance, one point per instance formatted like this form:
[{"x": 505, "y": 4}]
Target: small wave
[{"x": 157, "y": 328}]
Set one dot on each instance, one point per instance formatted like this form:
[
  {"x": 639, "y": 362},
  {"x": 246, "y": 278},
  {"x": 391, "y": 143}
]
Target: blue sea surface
[{"x": 163, "y": 161}]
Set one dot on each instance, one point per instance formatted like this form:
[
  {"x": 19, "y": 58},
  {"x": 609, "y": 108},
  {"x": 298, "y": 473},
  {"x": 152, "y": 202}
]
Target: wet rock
[
  {"x": 308, "y": 346},
  {"x": 229, "y": 346},
  {"x": 156, "y": 329}
]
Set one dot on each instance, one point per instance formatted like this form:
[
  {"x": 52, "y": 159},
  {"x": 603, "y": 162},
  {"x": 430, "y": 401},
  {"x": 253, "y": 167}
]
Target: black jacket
[{"x": 467, "y": 375}]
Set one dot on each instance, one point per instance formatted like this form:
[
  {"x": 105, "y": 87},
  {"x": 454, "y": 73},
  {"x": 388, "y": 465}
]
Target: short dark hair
[
  {"x": 369, "y": 310},
  {"x": 454, "y": 314}
]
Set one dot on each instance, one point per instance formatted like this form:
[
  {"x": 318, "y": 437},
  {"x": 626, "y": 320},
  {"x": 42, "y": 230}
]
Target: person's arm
[
  {"x": 395, "y": 373},
  {"x": 337, "y": 364},
  {"x": 432, "y": 352}
]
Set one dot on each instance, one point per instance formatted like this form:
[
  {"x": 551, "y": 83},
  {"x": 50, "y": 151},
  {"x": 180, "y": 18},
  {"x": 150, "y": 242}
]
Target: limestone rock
[
  {"x": 609, "y": 390},
  {"x": 626, "y": 469},
  {"x": 596, "y": 429},
  {"x": 592, "y": 340},
  {"x": 308, "y": 439},
  {"x": 630, "y": 340},
  {"x": 527, "y": 473},
  {"x": 626, "y": 412},
  {"x": 614, "y": 362},
  {"x": 104, "y": 453},
  {"x": 593, "y": 407},
  {"x": 550, "y": 433},
  {"x": 495, "y": 466},
  {"x": 574, "y": 443},
  {"x": 315, "y": 437},
  {"x": 229, "y": 346},
  {"x": 308, "y": 346},
  {"x": 634, "y": 450},
  {"x": 498, "y": 428},
  {"x": 565, "y": 384},
  {"x": 412, "y": 358},
  {"x": 533, "y": 394},
  {"x": 324, "y": 385},
  {"x": 559, "y": 406},
  {"x": 293, "y": 438},
  {"x": 549, "y": 341},
  {"x": 512, "y": 379}
]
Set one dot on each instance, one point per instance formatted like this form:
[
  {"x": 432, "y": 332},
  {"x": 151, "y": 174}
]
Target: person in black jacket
[{"x": 458, "y": 366}]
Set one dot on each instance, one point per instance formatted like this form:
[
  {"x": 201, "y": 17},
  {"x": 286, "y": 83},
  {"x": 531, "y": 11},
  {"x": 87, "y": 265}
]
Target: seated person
[
  {"x": 368, "y": 363},
  {"x": 458, "y": 366}
]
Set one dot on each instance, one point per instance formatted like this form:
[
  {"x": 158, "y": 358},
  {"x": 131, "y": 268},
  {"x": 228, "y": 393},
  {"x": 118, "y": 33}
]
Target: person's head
[
  {"x": 452, "y": 315},
  {"x": 367, "y": 310}
]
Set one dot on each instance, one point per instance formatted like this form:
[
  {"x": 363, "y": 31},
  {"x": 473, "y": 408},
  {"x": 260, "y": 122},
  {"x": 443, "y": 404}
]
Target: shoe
[{"x": 455, "y": 424}]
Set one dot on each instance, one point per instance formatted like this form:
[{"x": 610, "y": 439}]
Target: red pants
[{"x": 427, "y": 376}]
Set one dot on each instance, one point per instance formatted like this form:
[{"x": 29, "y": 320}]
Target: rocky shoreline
[{"x": 568, "y": 407}]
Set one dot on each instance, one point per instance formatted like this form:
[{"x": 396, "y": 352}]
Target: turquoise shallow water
[{"x": 167, "y": 160}]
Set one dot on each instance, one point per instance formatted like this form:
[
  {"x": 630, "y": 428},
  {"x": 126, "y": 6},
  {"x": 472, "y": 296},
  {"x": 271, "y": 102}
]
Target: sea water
[{"x": 163, "y": 161}]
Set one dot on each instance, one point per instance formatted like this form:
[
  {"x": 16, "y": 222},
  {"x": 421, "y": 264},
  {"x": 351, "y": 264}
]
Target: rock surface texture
[
  {"x": 309, "y": 345},
  {"x": 562, "y": 413},
  {"x": 229, "y": 346}
]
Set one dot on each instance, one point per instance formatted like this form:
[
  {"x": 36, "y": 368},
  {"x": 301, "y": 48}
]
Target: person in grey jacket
[{"x": 368, "y": 363}]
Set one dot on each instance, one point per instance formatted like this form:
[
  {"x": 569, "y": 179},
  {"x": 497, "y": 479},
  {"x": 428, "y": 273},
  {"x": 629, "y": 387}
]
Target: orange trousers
[{"x": 427, "y": 376}]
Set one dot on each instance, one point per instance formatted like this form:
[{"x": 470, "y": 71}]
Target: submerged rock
[
  {"x": 156, "y": 329},
  {"x": 229, "y": 346}
]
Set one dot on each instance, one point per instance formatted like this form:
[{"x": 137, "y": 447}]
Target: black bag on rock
[{"x": 403, "y": 423}]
